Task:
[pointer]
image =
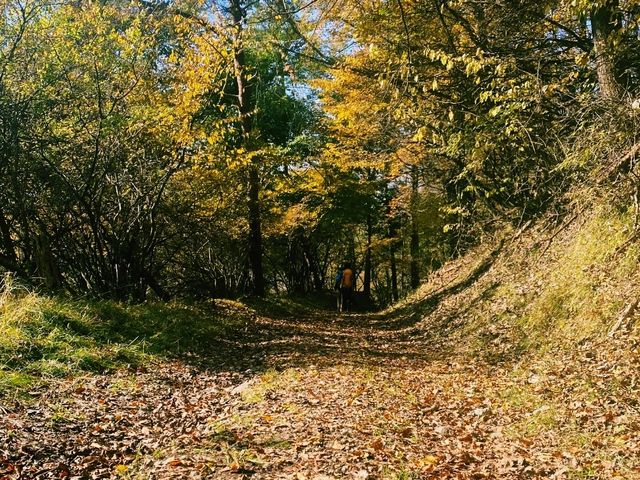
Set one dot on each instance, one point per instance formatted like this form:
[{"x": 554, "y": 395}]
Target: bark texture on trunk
[
  {"x": 367, "y": 258},
  {"x": 393, "y": 248},
  {"x": 394, "y": 276},
  {"x": 255, "y": 231},
  {"x": 604, "y": 22},
  {"x": 46, "y": 263}
]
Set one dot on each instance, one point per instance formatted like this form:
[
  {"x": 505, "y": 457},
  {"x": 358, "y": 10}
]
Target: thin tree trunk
[
  {"x": 415, "y": 236},
  {"x": 415, "y": 253},
  {"x": 46, "y": 263},
  {"x": 603, "y": 24},
  {"x": 393, "y": 248},
  {"x": 156, "y": 287},
  {"x": 351, "y": 259},
  {"x": 7, "y": 243},
  {"x": 367, "y": 258},
  {"x": 255, "y": 231},
  {"x": 394, "y": 275},
  {"x": 312, "y": 262}
]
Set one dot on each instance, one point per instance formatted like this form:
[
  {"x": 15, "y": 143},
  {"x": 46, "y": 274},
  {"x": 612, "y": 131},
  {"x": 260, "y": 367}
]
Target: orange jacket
[{"x": 347, "y": 278}]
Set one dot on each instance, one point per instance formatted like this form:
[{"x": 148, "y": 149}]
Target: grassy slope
[
  {"x": 551, "y": 288},
  {"x": 538, "y": 306},
  {"x": 44, "y": 337}
]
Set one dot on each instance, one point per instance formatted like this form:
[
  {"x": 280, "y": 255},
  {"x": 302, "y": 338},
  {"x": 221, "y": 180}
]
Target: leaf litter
[{"x": 325, "y": 397}]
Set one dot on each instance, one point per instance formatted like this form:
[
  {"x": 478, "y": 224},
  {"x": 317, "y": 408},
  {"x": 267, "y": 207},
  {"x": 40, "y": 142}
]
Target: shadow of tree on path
[
  {"x": 373, "y": 340},
  {"x": 413, "y": 313}
]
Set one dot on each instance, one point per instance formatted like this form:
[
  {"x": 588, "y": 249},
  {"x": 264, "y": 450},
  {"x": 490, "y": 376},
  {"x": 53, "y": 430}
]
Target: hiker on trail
[{"x": 345, "y": 281}]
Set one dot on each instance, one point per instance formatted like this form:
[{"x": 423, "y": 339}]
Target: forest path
[{"x": 319, "y": 397}]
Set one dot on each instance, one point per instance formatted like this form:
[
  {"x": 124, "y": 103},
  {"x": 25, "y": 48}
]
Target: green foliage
[{"x": 482, "y": 97}]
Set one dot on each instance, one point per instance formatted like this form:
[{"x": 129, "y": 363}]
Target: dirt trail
[{"x": 321, "y": 397}]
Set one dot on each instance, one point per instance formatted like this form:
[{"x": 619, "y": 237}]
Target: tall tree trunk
[
  {"x": 255, "y": 231},
  {"x": 312, "y": 262},
  {"x": 367, "y": 258},
  {"x": 415, "y": 236},
  {"x": 46, "y": 263},
  {"x": 393, "y": 248},
  {"x": 415, "y": 256},
  {"x": 395, "y": 296},
  {"x": 394, "y": 274},
  {"x": 604, "y": 23},
  {"x": 351, "y": 259},
  {"x": 245, "y": 94},
  {"x": 293, "y": 265}
]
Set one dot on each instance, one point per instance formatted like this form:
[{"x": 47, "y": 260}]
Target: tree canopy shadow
[
  {"x": 362, "y": 339},
  {"x": 412, "y": 313}
]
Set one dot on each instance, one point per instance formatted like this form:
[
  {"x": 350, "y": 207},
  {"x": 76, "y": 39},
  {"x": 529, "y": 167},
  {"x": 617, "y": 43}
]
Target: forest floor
[{"x": 321, "y": 396}]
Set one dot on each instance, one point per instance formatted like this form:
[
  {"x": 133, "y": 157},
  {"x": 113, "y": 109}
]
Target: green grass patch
[
  {"x": 270, "y": 381},
  {"x": 276, "y": 443},
  {"x": 15, "y": 381},
  {"x": 579, "y": 296},
  {"x": 45, "y": 337}
]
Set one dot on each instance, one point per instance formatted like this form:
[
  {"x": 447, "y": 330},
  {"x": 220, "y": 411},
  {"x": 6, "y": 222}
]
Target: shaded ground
[{"x": 321, "y": 396}]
